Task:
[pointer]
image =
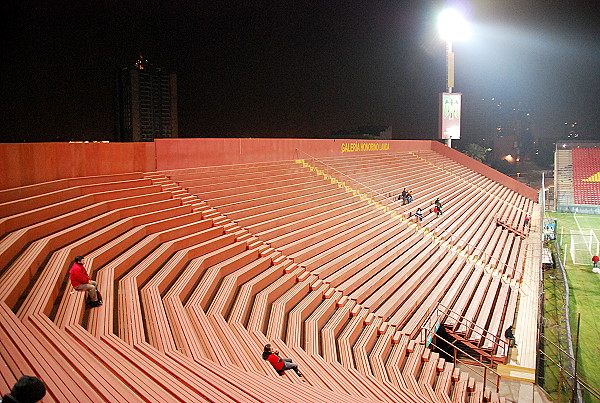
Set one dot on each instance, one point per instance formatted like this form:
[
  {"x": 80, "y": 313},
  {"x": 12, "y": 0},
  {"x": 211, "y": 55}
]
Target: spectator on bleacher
[
  {"x": 404, "y": 196},
  {"x": 279, "y": 364},
  {"x": 419, "y": 214},
  {"x": 80, "y": 280},
  {"x": 527, "y": 219},
  {"x": 409, "y": 197},
  {"x": 595, "y": 261},
  {"x": 508, "y": 333},
  {"x": 437, "y": 207},
  {"x": 28, "y": 389}
]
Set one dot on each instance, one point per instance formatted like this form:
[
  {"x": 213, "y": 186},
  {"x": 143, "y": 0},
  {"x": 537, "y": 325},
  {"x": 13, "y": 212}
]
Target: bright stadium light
[{"x": 452, "y": 26}]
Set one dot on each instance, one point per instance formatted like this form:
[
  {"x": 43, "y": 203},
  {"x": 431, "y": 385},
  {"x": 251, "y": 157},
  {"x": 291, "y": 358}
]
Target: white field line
[
  {"x": 577, "y": 222},
  {"x": 573, "y": 252},
  {"x": 589, "y": 246}
]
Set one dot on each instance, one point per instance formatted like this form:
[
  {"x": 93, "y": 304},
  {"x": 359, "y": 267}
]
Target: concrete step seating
[
  {"x": 495, "y": 247},
  {"x": 322, "y": 273},
  {"x": 86, "y": 244}
]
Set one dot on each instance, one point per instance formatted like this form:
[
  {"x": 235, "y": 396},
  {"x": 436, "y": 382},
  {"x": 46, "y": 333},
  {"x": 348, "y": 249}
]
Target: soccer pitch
[
  {"x": 583, "y": 242},
  {"x": 582, "y": 231}
]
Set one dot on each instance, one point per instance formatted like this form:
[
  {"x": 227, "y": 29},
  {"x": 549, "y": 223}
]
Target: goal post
[{"x": 584, "y": 245}]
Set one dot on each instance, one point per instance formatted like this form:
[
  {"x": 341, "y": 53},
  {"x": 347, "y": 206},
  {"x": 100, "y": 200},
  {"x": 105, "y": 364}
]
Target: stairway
[{"x": 564, "y": 177}]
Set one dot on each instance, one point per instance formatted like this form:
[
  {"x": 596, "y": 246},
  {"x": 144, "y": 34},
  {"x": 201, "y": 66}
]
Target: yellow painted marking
[{"x": 594, "y": 178}]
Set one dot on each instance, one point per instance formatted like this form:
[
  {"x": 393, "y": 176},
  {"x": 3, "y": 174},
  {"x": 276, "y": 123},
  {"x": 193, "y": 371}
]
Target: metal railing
[
  {"x": 441, "y": 311},
  {"x": 431, "y": 336},
  {"x": 455, "y": 172},
  {"x": 574, "y": 381},
  {"x": 570, "y": 354},
  {"x": 375, "y": 191},
  {"x": 486, "y": 259}
]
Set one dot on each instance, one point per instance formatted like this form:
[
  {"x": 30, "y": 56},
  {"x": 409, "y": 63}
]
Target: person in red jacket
[
  {"x": 280, "y": 364},
  {"x": 80, "y": 280},
  {"x": 595, "y": 260}
]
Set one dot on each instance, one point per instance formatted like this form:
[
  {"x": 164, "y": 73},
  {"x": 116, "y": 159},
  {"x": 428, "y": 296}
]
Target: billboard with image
[{"x": 450, "y": 115}]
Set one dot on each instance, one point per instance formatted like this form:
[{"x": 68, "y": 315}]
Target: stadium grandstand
[
  {"x": 205, "y": 250},
  {"x": 577, "y": 177}
]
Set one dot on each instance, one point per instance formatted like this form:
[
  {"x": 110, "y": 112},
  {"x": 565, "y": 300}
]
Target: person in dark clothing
[
  {"x": 437, "y": 207},
  {"x": 279, "y": 364},
  {"x": 419, "y": 214},
  {"x": 28, "y": 389},
  {"x": 508, "y": 333},
  {"x": 404, "y": 196}
]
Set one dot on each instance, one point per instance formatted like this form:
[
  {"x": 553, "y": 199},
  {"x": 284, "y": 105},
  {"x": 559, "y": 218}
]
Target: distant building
[{"x": 146, "y": 103}]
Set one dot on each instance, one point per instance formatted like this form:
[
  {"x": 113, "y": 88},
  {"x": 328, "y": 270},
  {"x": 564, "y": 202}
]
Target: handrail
[
  {"x": 470, "y": 325},
  {"x": 343, "y": 174},
  {"x": 593, "y": 391},
  {"x": 511, "y": 228},
  {"x": 484, "y": 365},
  {"x": 565, "y": 283},
  {"x": 489, "y": 259},
  {"x": 556, "y": 346},
  {"x": 441, "y": 166}
]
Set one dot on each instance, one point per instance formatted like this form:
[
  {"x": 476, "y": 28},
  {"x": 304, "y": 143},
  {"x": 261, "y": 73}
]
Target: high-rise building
[{"x": 146, "y": 103}]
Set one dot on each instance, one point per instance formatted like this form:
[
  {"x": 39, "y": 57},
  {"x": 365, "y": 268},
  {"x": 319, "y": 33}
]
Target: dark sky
[{"x": 293, "y": 68}]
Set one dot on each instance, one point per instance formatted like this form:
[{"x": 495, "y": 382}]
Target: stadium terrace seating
[
  {"x": 199, "y": 268},
  {"x": 586, "y": 175}
]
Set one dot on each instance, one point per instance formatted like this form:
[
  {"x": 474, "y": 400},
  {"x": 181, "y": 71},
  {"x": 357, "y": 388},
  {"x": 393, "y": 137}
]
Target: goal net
[{"x": 584, "y": 245}]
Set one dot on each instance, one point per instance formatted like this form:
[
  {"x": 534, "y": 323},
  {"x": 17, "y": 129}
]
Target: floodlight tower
[{"x": 452, "y": 26}]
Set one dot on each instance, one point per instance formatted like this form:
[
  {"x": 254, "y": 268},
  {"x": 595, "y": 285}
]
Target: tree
[
  {"x": 505, "y": 167},
  {"x": 475, "y": 151}
]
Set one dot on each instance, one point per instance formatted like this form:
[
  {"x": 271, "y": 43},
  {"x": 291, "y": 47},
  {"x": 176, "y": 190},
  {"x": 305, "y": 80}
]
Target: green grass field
[{"x": 584, "y": 295}]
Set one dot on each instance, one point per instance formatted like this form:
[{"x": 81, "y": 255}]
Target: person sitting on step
[
  {"x": 279, "y": 364},
  {"x": 80, "y": 280},
  {"x": 508, "y": 333}
]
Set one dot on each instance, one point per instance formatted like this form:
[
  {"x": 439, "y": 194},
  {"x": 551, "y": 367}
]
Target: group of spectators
[
  {"x": 405, "y": 196},
  {"x": 437, "y": 209}
]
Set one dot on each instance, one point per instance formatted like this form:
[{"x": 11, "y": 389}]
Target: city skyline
[{"x": 294, "y": 69}]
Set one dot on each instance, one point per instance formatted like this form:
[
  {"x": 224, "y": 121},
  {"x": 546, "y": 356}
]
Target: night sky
[{"x": 294, "y": 68}]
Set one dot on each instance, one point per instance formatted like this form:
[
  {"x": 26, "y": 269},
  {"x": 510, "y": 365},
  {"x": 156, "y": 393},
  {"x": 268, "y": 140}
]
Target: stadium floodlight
[{"x": 452, "y": 26}]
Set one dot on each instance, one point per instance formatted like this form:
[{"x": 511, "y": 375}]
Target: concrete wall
[
  {"x": 192, "y": 153},
  {"x": 578, "y": 209},
  {"x": 29, "y": 163}
]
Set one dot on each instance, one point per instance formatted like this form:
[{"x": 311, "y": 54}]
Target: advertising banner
[{"x": 450, "y": 115}]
